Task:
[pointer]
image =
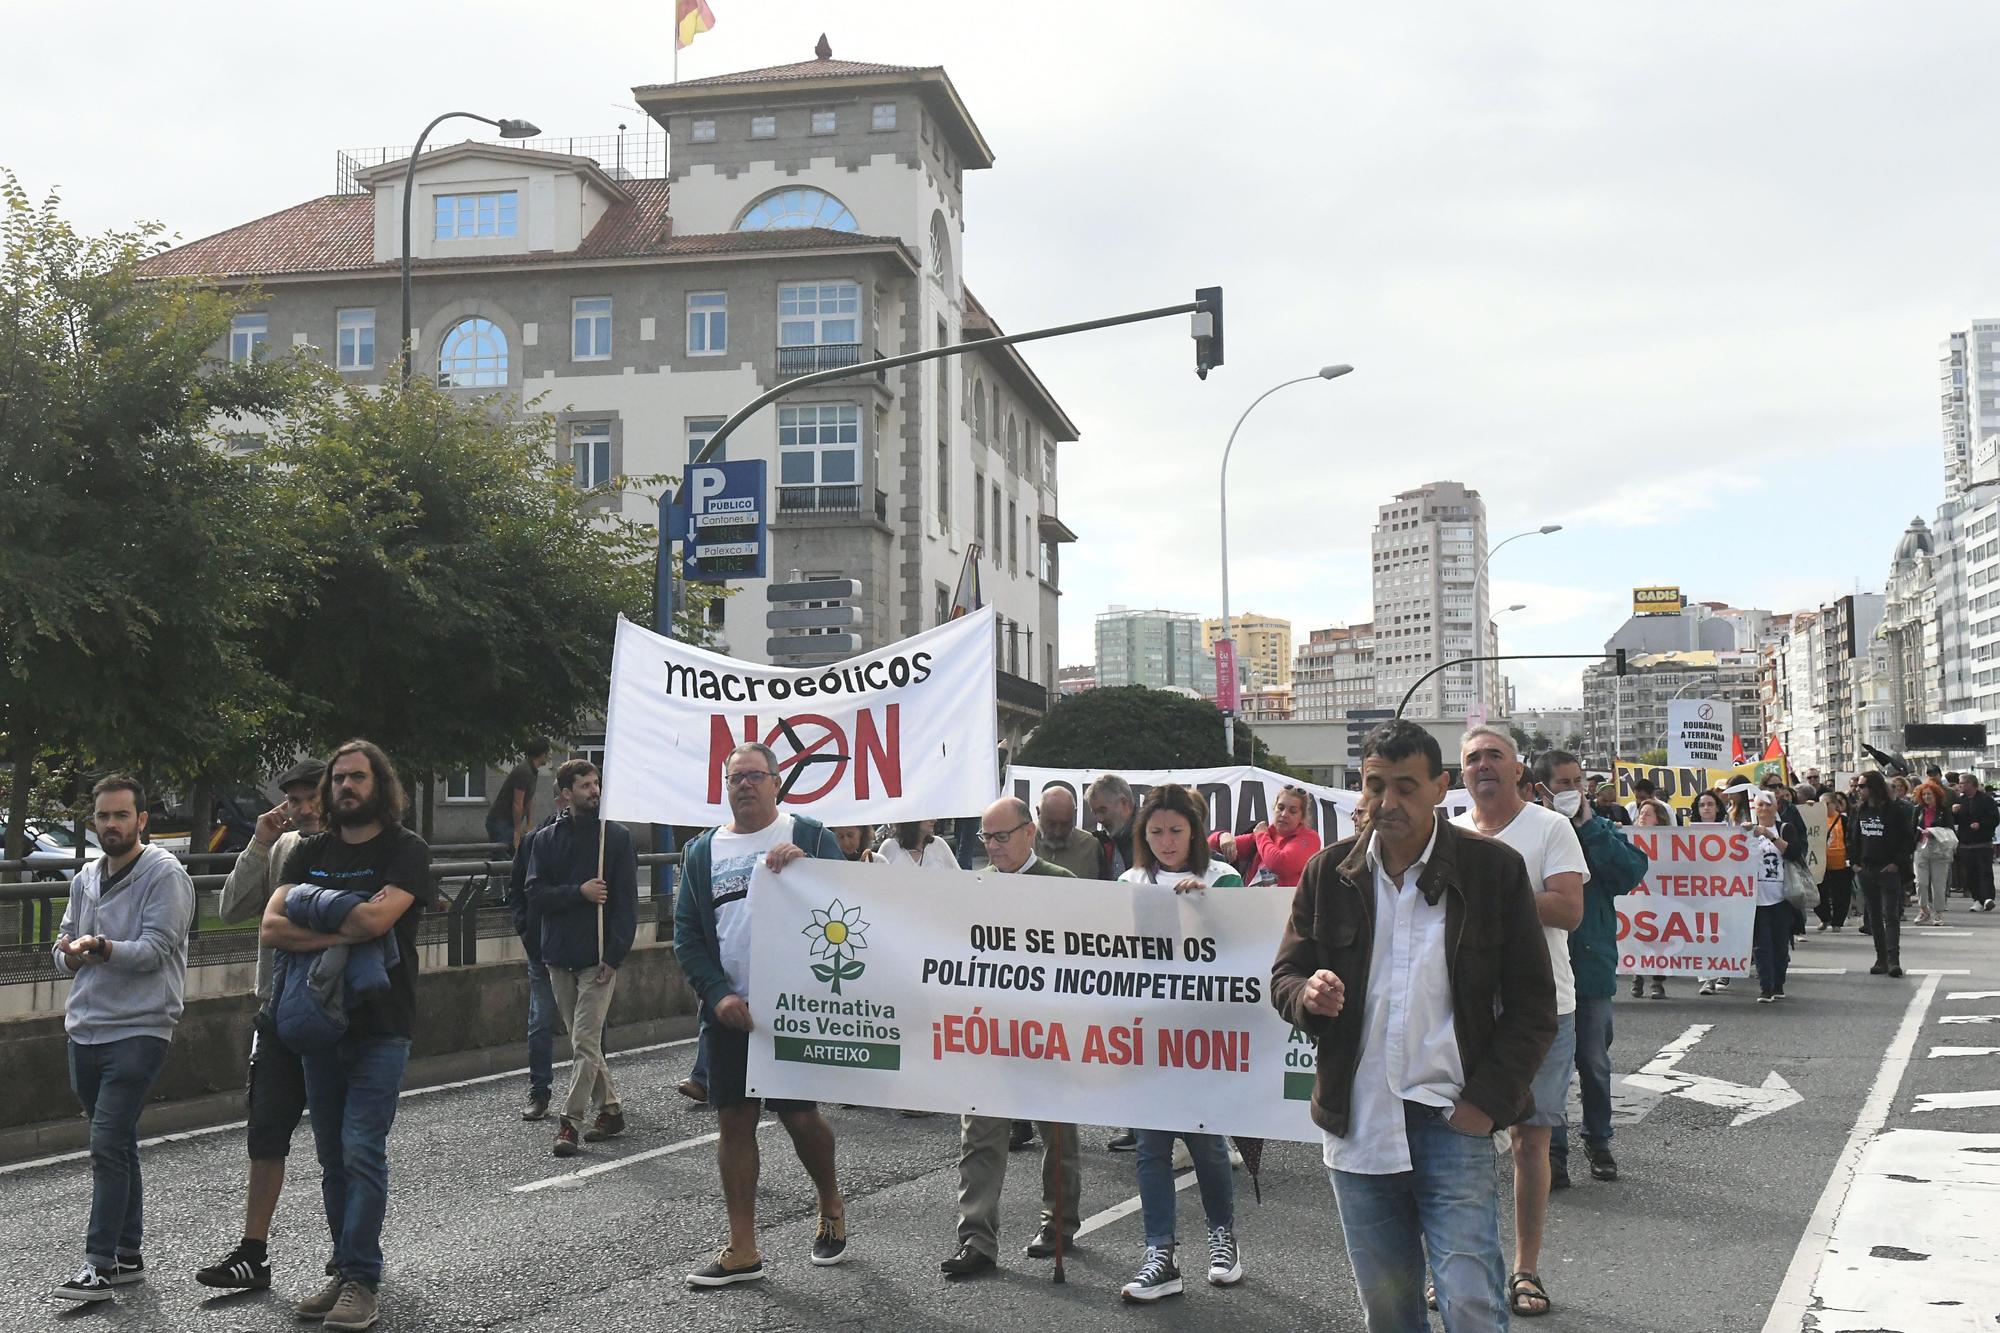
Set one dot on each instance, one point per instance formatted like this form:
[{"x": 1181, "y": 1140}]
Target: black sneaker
[
  {"x": 1225, "y": 1264},
  {"x": 830, "y": 1241},
  {"x": 129, "y": 1268},
  {"x": 239, "y": 1270},
  {"x": 1126, "y": 1141},
  {"x": 86, "y": 1287},
  {"x": 1558, "y": 1176},
  {"x": 1603, "y": 1166},
  {"x": 722, "y": 1273},
  {"x": 1156, "y": 1277}
]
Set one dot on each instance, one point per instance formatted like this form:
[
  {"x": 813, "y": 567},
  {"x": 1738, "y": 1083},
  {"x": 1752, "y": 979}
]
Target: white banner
[
  {"x": 1105, "y": 1004},
  {"x": 1692, "y": 914},
  {"x": 906, "y": 732},
  {"x": 1698, "y": 733},
  {"x": 1239, "y": 798}
]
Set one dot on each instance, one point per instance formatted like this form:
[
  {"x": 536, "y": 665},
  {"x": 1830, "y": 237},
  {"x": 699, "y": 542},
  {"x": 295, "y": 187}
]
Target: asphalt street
[{"x": 1851, "y": 1207}]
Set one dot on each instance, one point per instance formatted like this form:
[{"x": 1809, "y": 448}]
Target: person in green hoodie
[
  {"x": 1616, "y": 867},
  {"x": 123, "y": 944}
]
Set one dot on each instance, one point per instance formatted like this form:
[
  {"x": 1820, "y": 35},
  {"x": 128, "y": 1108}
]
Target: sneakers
[
  {"x": 1124, "y": 1141},
  {"x": 1603, "y": 1166},
  {"x": 86, "y": 1287},
  {"x": 537, "y": 1107},
  {"x": 354, "y": 1310},
  {"x": 1156, "y": 1277},
  {"x": 1707, "y": 988},
  {"x": 1659, "y": 989},
  {"x": 1638, "y": 988},
  {"x": 830, "y": 1241},
  {"x": 610, "y": 1123},
  {"x": 242, "y": 1269},
  {"x": 129, "y": 1268},
  {"x": 566, "y": 1144},
  {"x": 1778, "y": 994},
  {"x": 1722, "y": 983},
  {"x": 1021, "y": 1136},
  {"x": 1225, "y": 1264},
  {"x": 316, "y": 1305},
  {"x": 1235, "y": 1157},
  {"x": 1765, "y": 998},
  {"x": 724, "y": 1273},
  {"x": 1183, "y": 1159}
]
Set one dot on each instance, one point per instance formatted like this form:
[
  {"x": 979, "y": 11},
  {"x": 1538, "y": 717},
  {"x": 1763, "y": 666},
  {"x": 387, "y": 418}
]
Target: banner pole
[
  {"x": 601, "y": 829},
  {"x": 1055, "y": 1148}
]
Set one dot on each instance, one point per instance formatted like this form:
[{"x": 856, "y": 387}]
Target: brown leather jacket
[{"x": 1502, "y": 990}]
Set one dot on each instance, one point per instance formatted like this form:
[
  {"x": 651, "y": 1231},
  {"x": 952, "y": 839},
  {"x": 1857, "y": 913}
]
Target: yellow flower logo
[{"x": 835, "y": 934}]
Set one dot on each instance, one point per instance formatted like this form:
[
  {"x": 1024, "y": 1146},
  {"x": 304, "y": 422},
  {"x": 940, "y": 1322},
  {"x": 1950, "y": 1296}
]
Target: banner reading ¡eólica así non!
[
  {"x": 905, "y": 732},
  {"x": 1692, "y": 914},
  {"x": 1026, "y": 997}
]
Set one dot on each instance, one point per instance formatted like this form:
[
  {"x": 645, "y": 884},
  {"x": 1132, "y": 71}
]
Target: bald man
[
  {"x": 1058, "y": 839},
  {"x": 1008, "y": 830}
]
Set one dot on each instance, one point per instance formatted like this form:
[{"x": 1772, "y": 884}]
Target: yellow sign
[
  {"x": 1656, "y": 601},
  {"x": 1679, "y": 787}
]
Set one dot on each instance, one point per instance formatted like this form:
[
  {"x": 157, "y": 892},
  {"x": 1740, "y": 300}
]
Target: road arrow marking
[{"x": 1661, "y": 1074}]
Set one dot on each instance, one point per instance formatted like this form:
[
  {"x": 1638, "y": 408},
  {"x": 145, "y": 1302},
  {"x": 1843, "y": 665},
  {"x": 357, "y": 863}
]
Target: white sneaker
[
  {"x": 1157, "y": 1277},
  {"x": 1707, "y": 988},
  {"x": 1183, "y": 1159},
  {"x": 1235, "y": 1158}
]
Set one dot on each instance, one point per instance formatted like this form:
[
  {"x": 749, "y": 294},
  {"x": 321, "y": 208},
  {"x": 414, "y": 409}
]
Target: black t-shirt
[
  {"x": 394, "y": 856},
  {"x": 522, "y": 780}
]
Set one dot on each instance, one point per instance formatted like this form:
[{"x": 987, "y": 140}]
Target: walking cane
[{"x": 1057, "y": 1145}]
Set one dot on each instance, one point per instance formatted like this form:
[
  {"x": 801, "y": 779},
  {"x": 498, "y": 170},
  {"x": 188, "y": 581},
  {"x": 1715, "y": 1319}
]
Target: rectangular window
[
  {"x": 819, "y": 444},
  {"x": 763, "y": 127},
  {"x": 590, "y": 447},
  {"x": 466, "y": 785},
  {"x": 823, "y": 122},
  {"x": 590, "y": 328},
  {"x": 997, "y": 529},
  {"x": 699, "y": 429},
  {"x": 944, "y": 485},
  {"x": 979, "y": 508},
  {"x": 943, "y": 604},
  {"x": 703, "y": 131},
  {"x": 819, "y": 313},
  {"x": 1013, "y": 538},
  {"x": 468, "y": 215},
  {"x": 708, "y": 323},
  {"x": 884, "y": 116},
  {"x": 247, "y": 336},
  {"x": 355, "y": 340}
]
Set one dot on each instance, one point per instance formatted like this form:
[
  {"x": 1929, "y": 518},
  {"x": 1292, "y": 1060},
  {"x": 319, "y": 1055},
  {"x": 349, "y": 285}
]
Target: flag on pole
[
  {"x": 966, "y": 599},
  {"x": 692, "y": 18},
  {"x": 1736, "y": 751}
]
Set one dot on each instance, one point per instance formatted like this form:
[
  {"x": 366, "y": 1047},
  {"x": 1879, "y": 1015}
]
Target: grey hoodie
[{"x": 137, "y": 991}]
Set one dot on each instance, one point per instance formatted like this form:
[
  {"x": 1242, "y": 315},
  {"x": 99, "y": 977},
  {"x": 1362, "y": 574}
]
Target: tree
[
  {"x": 1653, "y": 758},
  {"x": 135, "y": 556},
  {"x": 1131, "y": 726}
]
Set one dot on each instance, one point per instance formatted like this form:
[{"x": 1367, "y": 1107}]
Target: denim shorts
[{"x": 1551, "y": 1086}]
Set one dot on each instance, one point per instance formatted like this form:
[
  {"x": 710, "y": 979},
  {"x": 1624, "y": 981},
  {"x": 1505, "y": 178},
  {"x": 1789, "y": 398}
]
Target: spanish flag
[{"x": 692, "y": 18}]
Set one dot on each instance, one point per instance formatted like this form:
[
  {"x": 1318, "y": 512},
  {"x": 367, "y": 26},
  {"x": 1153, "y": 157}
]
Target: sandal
[{"x": 1523, "y": 1288}]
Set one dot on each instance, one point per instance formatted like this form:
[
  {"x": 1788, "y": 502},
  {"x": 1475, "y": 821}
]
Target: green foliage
[
  {"x": 1653, "y": 758},
  {"x": 1131, "y": 726}
]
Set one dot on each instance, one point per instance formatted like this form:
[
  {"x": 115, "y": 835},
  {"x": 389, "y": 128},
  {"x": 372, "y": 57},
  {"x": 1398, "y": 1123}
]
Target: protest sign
[
  {"x": 1692, "y": 914},
  {"x": 1024, "y": 997},
  {"x": 1698, "y": 732},
  {"x": 1680, "y": 785},
  {"x": 1814, "y": 813},
  {"x": 905, "y": 732}
]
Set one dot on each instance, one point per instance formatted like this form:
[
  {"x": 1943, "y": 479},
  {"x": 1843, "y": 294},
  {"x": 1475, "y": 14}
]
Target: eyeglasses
[
  {"x": 751, "y": 778},
  {"x": 990, "y": 838}
]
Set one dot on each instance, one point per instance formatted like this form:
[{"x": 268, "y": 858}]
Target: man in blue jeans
[
  {"x": 541, "y": 991},
  {"x": 352, "y": 1087},
  {"x": 1617, "y": 867},
  {"x": 123, "y": 943},
  {"x": 1414, "y": 958}
]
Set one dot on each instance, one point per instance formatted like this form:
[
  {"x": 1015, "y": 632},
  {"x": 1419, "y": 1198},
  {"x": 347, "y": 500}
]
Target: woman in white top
[
  {"x": 1172, "y": 848},
  {"x": 1771, "y": 939},
  {"x": 915, "y": 844}
]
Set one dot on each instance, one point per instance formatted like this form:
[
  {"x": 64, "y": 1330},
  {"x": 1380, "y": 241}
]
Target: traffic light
[
  {"x": 1621, "y": 661},
  {"x": 1207, "y": 329}
]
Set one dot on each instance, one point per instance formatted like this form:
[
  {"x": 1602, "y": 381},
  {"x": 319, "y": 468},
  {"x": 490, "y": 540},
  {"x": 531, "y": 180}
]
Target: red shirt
[{"x": 1286, "y": 857}]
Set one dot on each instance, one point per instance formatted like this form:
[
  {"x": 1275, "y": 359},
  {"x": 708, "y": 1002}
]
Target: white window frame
[
  {"x": 486, "y": 372},
  {"x": 590, "y": 328},
  {"x": 763, "y": 127},
  {"x": 459, "y": 787},
  {"x": 702, "y": 131},
  {"x": 347, "y": 351},
  {"x": 698, "y": 431},
  {"x": 594, "y": 436},
  {"x": 817, "y": 305},
  {"x": 825, "y": 120},
  {"x": 476, "y": 216},
  {"x": 816, "y": 429},
  {"x": 708, "y": 312},
  {"x": 249, "y": 334},
  {"x": 880, "y": 121}
]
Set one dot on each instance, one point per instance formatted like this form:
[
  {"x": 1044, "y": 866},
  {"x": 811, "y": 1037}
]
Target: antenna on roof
[{"x": 823, "y": 50}]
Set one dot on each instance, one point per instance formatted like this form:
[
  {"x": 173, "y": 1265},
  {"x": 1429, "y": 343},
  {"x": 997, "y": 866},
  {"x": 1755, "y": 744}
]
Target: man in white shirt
[{"x": 1557, "y": 869}]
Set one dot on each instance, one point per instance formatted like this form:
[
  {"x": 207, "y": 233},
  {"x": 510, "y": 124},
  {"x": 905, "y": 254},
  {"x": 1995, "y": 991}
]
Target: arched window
[
  {"x": 979, "y": 409},
  {"x": 798, "y": 206},
  {"x": 473, "y": 356},
  {"x": 940, "y": 250}
]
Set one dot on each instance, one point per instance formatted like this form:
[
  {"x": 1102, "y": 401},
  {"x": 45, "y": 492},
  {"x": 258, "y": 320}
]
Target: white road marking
[
  {"x": 1938, "y": 933},
  {"x": 1937, "y": 971},
  {"x": 1661, "y": 1074},
  {"x": 1955, "y": 1101},
  {"x": 1969, "y": 1018},
  {"x": 1098, "y": 1221},
  {"x": 1815, "y": 971},
  {"x": 1944, "y": 1052},
  {"x": 11, "y": 1168},
  {"x": 1974, "y": 995},
  {"x": 571, "y": 1178},
  {"x": 1795, "y": 1299}
]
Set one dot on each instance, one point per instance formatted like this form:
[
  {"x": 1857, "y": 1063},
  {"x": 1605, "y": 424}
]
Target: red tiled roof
[
  {"x": 335, "y": 234},
  {"x": 804, "y": 69}
]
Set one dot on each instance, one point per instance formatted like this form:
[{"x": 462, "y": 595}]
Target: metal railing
[
  {"x": 625, "y": 156},
  {"x": 812, "y": 359}
]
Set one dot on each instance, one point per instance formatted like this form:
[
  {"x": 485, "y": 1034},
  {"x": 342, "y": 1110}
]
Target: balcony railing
[
  {"x": 829, "y": 500},
  {"x": 1020, "y": 692},
  {"x": 796, "y": 361}
]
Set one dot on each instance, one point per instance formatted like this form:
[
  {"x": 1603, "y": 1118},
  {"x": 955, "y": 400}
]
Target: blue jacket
[
  {"x": 1616, "y": 867},
  {"x": 527, "y": 919},
  {"x": 694, "y": 909},
  {"x": 310, "y": 991},
  {"x": 562, "y": 858}
]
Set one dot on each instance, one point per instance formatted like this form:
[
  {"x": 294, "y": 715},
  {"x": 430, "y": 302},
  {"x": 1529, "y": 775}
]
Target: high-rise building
[
  {"x": 1333, "y": 673},
  {"x": 1704, "y": 650},
  {"x": 1263, "y": 647},
  {"x": 1160, "y": 649},
  {"x": 1429, "y": 565}
]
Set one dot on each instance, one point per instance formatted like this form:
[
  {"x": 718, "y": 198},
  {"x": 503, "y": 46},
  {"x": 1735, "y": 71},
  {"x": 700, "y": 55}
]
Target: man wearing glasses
[
  {"x": 712, "y": 941},
  {"x": 1008, "y": 830}
]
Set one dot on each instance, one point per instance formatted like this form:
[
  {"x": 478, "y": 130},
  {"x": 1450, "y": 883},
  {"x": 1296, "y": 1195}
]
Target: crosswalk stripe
[
  {"x": 1955, "y": 1101},
  {"x": 1942, "y": 1052}
]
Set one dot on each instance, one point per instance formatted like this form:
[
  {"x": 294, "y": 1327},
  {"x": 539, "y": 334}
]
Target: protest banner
[
  {"x": 1698, "y": 732},
  {"x": 1022, "y": 997},
  {"x": 1692, "y": 915},
  {"x": 1680, "y": 785},
  {"x": 1239, "y": 797},
  {"x": 1814, "y": 813},
  {"x": 906, "y": 732}
]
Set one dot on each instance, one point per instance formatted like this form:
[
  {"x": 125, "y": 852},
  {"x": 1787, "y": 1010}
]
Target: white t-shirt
[
  {"x": 1547, "y": 842},
  {"x": 732, "y": 859},
  {"x": 1219, "y": 872},
  {"x": 933, "y": 855},
  {"x": 1770, "y": 869}
]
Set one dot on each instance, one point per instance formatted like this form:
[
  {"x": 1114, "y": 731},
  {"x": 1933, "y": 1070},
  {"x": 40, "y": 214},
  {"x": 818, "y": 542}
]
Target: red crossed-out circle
[{"x": 807, "y": 734}]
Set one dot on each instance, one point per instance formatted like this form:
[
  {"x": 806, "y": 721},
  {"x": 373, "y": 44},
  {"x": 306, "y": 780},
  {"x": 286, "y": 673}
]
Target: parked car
[{"x": 50, "y": 844}]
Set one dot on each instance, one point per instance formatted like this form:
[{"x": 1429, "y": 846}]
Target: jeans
[
  {"x": 1593, "y": 1075},
  {"x": 1977, "y": 860},
  {"x": 541, "y": 1030},
  {"x": 1447, "y": 1204},
  {"x": 1933, "y": 878},
  {"x": 1156, "y": 1181},
  {"x": 352, "y": 1092},
  {"x": 1836, "y": 896},
  {"x": 700, "y": 1071},
  {"x": 1884, "y": 898},
  {"x": 585, "y": 1001},
  {"x": 1771, "y": 945},
  {"x": 112, "y": 1079},
  {"x": 500, "y": 829}
]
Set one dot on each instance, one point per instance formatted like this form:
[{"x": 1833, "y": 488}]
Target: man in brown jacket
[{"x": 1414, "y": 958}]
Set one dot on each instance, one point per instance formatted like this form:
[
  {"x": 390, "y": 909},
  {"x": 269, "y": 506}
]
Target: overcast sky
[{"x": 1671, "y": 276}]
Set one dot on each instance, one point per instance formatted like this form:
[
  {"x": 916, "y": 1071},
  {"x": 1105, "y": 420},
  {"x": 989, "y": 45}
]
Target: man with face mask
[{"x": 1616, "y": 867}]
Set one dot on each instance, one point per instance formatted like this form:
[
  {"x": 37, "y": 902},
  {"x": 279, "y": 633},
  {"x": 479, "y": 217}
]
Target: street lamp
[
  {"x": 1228, "y": 636},
  {"x": 1479, "y": 668},
  {"x": 509, "y": 129}
]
